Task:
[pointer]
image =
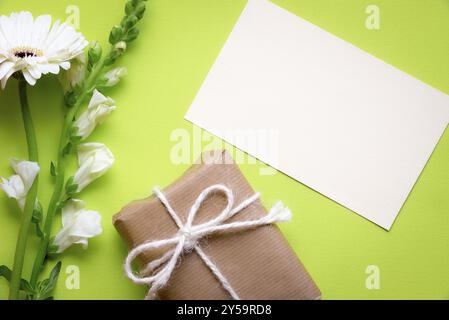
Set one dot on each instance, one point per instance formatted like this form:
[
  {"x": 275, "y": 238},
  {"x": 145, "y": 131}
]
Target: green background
[{"x": 180, "y": 41}]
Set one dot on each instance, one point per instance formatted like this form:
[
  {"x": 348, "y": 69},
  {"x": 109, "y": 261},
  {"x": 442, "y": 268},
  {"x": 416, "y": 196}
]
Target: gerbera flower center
[{"x": 24, "y": 52}]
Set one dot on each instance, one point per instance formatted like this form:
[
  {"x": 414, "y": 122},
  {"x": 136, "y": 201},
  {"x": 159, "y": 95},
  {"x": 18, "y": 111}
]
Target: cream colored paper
[{"x": 350, "y": 126}]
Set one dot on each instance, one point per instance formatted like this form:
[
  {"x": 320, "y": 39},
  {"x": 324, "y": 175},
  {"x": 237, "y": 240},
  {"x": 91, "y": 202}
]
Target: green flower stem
[
  {"x": 57, "y": 194},
  {"x": 60, "y": 173},
  {"x": 31, "y": 197}
]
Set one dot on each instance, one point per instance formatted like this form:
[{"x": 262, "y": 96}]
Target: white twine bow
[{"x": 189, "y": 234}]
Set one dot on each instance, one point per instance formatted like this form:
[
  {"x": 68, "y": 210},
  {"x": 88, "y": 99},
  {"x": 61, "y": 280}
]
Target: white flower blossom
[
  {"x": 34, "y": 47},
  {"x": 114, "y": 76},
  {"x": 17, "y": 186},
  {"x": 70, "y": 78},
  {"x": 78, "y": 225},
  {"x": 97, "y": 111},
  {"x": 94, "y": 160}
]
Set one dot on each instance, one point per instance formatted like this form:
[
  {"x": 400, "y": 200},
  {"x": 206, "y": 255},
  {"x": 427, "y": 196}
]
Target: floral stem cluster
[{"x": 83, "y": 81}]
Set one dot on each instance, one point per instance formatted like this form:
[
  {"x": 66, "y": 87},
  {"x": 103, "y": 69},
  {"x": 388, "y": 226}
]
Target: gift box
[{"x": 256, "y": 262}]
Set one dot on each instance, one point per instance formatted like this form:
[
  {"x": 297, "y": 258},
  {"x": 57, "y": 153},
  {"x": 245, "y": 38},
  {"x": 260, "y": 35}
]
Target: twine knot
[{"x": 188, "y": 236}]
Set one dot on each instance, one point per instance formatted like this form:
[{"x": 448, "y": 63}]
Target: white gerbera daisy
[{"x": 34, "y": 47}]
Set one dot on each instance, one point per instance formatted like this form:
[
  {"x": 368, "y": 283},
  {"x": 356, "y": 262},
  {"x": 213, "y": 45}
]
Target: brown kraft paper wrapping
[{"x": 258, "y": 263}]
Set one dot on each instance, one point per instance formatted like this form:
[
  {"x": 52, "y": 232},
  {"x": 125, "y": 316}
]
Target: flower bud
[
  {"x": 94, "y": 55},
  {"x": 129, "y": 21},
  {"x": 129, "y": 7},
  {"x": 140, "y": 10},
  {"x": 132, "y": 35},
  {"x": 113, "y": 77},
  {"x": 116, "y": 35},
  {"x": 120, "y": 47}
]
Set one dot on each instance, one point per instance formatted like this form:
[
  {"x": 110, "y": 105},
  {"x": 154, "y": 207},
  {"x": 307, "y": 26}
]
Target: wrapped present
[{"x": 208, "y": 237}]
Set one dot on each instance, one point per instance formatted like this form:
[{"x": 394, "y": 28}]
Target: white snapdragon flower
[
  {"x": 114, "y": 76},
  {"x": 78, "y": 225},
  {"x": 70, "y": 78},
  {"x": 97, "y": 111},
  {"x": 17, "y": 186},
  {"x": 94, "y": 160}
]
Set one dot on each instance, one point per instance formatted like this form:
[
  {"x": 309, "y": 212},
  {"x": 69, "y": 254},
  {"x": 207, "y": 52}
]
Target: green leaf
[
  {"x": 54, "y": 274},
  {"x": 5, "y": 272},
  {"x": 39, "y": 232},
  {"x": 37, "y": 213},
  {"x": 101, "y": 82},
  {"x": 24, "y": 285},
  {"x": 46, "y": 287},
  {"x": 62, "y": 204},
  {"x": 52, "y": 250},
  {"x": 70, "y": 98},
  {"x": 67, "y": 149},
  {"x": 37, "y": 219},
  {"x": 94, "y": 55},
  {"x": 72, "y": 189},
  {"x": 53, "y": 169},
  {"x": 69, "y": 181},
  {"x": 76, "y": 139},
  {"x": 110, "y": 60},
  {"x": 74, "y": 131}
]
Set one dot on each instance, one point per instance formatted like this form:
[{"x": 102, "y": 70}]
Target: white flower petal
[
  {"x": 41, "y": 28},
  {"x": 74, "y": 73},
  {"x": 13, "y": 187},
  {"x": 99, "y": 108},
  {"x": 27, "y": 170},
  {"x": 29, "y": 78},
  {"x": 5, "y": 68},
  {"x": 65, "y": 65},
  {"x": 115, "y": 75},
  {"x": 35, "y": 72},
  {"x": 74, "y": 205},
  {"x": 79, "y": 225},
  {"x": 6, "y": 77},
  {"x": 94, "y": 160},
  {"x": 88, "y": 224},
  {"x": 52, "y": 68},
  {"x": 17, "y": 186}
]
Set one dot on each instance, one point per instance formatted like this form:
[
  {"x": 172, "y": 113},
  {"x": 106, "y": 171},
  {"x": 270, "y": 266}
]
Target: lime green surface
[{"x": 180, "y": 40}]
